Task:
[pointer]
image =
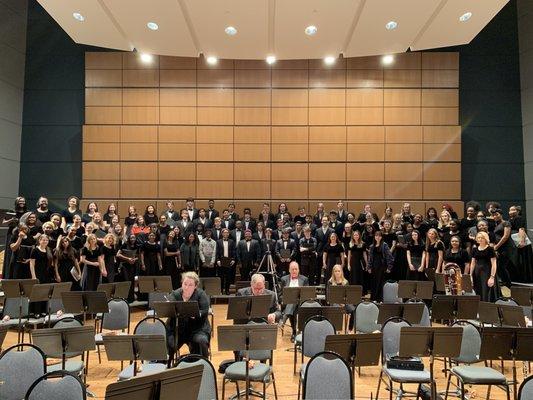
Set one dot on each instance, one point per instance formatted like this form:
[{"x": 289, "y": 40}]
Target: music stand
[
  {"x": 176, "y": 310},
  {"x": 297, "y": 295},
  {"x": 135, "y": 348},
  {"x": 85, "y": 302},
  {"x": 440, "y": 283},
  {"x": 47, "y": 292},
  {"x": 524, "y": 297},
  {"x": 246, "y": 338},
  {"x": 454, "y": 307},
  {"x": 411, "y": 312},
  {"x": 432, "y": 342},
  {"x": 349, "y": 294},
  {"x": 512, "y": 316},
  {"x": 335, "y": 315},
  {"x": 18, "y": 289},
  {"x": 163, "y": 385},
  {"x": 418, "y": 290},
  {"x": 245, "y": 308},
  {"x": 155, "y": 283},
  {"x": 115, "y": 290}
]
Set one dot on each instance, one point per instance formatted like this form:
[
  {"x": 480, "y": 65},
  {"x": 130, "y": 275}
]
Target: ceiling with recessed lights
[{"x": 284, "y": 29}]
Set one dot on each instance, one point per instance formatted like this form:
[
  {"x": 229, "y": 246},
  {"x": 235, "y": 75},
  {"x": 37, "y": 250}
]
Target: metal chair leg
[
  {"x": 390, "y": 389},
  {"x": 488, "y": 392},
  {"x": 223, "y": 387},
  {"x": 508, "y": 394},
  {"x": 379, "y": 384},
  {"x": 448, "y": 386},
  {"x": 274, "y": 385},
  {"x": 462, "y": 390}
]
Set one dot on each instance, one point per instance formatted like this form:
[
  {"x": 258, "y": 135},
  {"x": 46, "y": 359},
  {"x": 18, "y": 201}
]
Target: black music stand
[
  {"x": 297, "y": 295},
  {"x": 335, "y": 315},
  {"x": 418, "y": 290},
  {"x": 86, "y": 302},
  {"x": 176, "y": 310},
  {"x": 489, "y": 313},
  {"x": 18, "y": 289},
  {"x": 430, "y": 342},
  {"x": 524, "y": 297},
  {"x": 65, "y": 341},
  {"x": 440, "y": 283},
  {"x": 246, "y": 308},
  {"x": 155, "y": 283},
  {"x": 47, "y": 292},
  {"x": 349, "y": 294},
  {"x": 512, "y": 316},
  {"x": 246, "y": 338},
  {"x": 135, "y": 348},
  {"x": 166, "y": 385},
  {"x": 411, "y": 312},
  {"x": 115, "y": 290},
  {"x": 359, "y": 350},
  {"x": 452, "y": 307}
]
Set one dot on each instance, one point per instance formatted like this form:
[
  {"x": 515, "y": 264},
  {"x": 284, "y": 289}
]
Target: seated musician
[
  {"x": 257, "y": 288},
  {"x": 293, "y": 279},
  {"x": 194, "y": 331}
]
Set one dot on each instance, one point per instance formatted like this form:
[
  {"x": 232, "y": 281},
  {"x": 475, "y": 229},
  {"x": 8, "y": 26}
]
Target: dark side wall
[{"x": 490, "y": 112}]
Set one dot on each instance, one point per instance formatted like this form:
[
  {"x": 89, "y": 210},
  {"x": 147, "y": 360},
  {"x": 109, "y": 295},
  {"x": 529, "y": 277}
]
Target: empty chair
[
  {"x": 327, "y": 376},
  {"x": 526, "y": 389},
  {"x": 390, "y": 293},
  {"x": 12, "y": 309},
  {"x": 116, "y": 319},
  {"x": 147, "y": 326},
  {"x": 208, "y": 387},
  {"x": 59, "y": 385},
  {"x": 425, "y": 320},
  {"x": 366, "y": 317},
  {"x": 74, "y": 366},
  {"x": 306, "y": 303},
  {"x": 20, "y": 366},
  {"x": 391, "y": 347}
]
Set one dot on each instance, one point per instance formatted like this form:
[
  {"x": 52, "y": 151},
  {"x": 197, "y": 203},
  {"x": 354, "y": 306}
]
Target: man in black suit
[
  {"x": 202, "y": 219},
  {"x": 317, "y": 219},
  {"x": 322, "y": 236},
  {"x": 248, "y": 255},
  {"x": 278, "y": 232},
  {"x": 266, "y": 215},
  {"x": 310, "y": 224},
  {"x": 296, "y": 235},
  {"x": 257, "y": 288},
  {"x": 335, "y": 224},
  {"x": 307, "y": 248},
  {"x": 227, "y": 222},
  {"x": 172, "y": 215},
  {"x": 268, "y": 244},
  {"x": 211, "y": 212},
  {"x": 301, "y": 216},
  {"x": 362, "y": 216},
  {"x": 191, "y": 210},
  {"x": 185, "y": 224},
  {"x": 232, "y": 214},
  {"x": 285, "y": 251},
  {"x": 217, "y": 229},
  {"x": 342, "y": 214},
  {"x": 248, "y": 222},
  {"x": 292, "y": 279},
  {"x": 226, "y": 259},
  {"x": 237, "y": 234}
]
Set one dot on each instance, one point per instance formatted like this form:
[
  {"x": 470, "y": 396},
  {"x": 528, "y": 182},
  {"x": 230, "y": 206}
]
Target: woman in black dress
[
  {"x": 368, "y": 235},
  {"x": 357, "y": 261},
  {"x": 53, "y": 235},
  {"x": 163, "y": 227},
  {"x": 92, "y": 260},
  {"x": 434, "y": 254},
  {"x": 109, "y": 252},
  {"x": 110, "y": 214},
  {"x": 73, "y": 208},
  {"x": 42, "y": 211},
  {"x": 131, "y": 219},
  {"x": 12, "y": 221},
  {"x": 457, "y": 255},
  {"x": 483, "y": 269},
  {"x": 432, "y": 218},
  {"x": 75, "y": 241},
  {"x": 333, "y": 254},
  {"x": 64, "y": 260},
  {"x": 150, "y": 215},
  {"x": 171, "y": 264},
  {"x": 151, "y": 256},
  {"x": 380, "y": 263},
  {"x": 76, "y": 225},
  {"x": 20, "y": 246},
  {"x": 523, "y": 258},
  {"x": 415, "y": 257},
  {"x": 128, "y": 255},
  {"x": 503, "y": 247},
  {"x": 42, "y": 268},
  {"x": 190, "y": 253},
  {"x": 87, "y": 217},
  {"x": 452, "y": 231},
  {"x": 346, "y": 238}
]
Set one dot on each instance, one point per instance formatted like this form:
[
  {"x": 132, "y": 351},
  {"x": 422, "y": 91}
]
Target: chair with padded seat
[
  {"x": 390, "y": 293},
  {"x": 328, "y": 377},
  {"x": 208, "y": 387},
  {"x": 20, "y": 366},
  {"x": 391, "y": 347},
  {"x": 117, "y": 319},
  {"x": 58, "y": 385},
  {"x": 366, "y": 317},
  {"x": 526, "y": 389},
  {"x": 298, "y": 337}
]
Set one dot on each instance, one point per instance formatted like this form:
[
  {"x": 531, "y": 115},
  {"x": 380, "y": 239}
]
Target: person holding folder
[{"x": 193, "y": 331}]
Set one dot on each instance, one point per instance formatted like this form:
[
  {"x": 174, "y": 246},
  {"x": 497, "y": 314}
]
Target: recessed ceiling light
[
  {"x": 311, "y": 30},
  {"x": 212, "y": 60},
  {"x": 465, "y": 17},
  {"x": 391, "y": 25},
  {"x": 153, "y": 26},
  {"x": 230, "y": 30},
  {"x": 271, "y": 60},
  {"x": 329, "y": 60},
  {"x": 146, "y": 58},
  {"x": 387, "y": 60},
  {"x": 78, "y": 16}
]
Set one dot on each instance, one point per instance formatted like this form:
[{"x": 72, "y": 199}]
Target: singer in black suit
[
  {"x": 226, "y": 259},
  {"x": 248, "y": 255},
  {"x": 285, "y": 245},
  {"x": 211, "y": 212}
]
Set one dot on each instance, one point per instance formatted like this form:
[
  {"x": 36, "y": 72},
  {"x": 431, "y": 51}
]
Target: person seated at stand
[
  {"x": 293, "y": 279},
  {"x": 257, "y": 288}
]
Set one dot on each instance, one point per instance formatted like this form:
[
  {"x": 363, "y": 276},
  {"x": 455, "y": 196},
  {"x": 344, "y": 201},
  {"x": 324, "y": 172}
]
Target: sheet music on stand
[{"x": 249, "y": 307}]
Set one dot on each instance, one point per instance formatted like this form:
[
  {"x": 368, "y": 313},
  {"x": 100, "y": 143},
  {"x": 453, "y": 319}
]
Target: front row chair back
[
  {"x": 58, "y": 385},
  {"x": 20, "y": 366},
  {"x": 390, "y": 293},
  {"x": 526, "y": 389},
  {"x": 470, "y": 343},
  {"x": 118, "y": 317},
  {"x": 366, "y": 317},
  {"x": 150, "y": 326},
  {"x": 208, "y": 387},
  {"x": 391, "y": 336},
  {"x": 327, "y": 376},
  {"x": 314, "y": 335}
]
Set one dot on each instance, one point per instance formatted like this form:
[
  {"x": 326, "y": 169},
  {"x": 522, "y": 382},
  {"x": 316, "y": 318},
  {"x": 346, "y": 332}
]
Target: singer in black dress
[
  {"x": 483, "y": 269},
  {"x": 128, "y": 256},
  {"x": 357, "y": 261},
  {"x": 151, "y": 256},
  {"x": 333, "y": 254},
  {"x": 65, "y": 260},
  {"x": 171, "y": 265},
  {"x": 109, "y": 251},
  {"x": 41, "y": 268},
  {"x": 20, "y": 246},
  {"x": 415, "y": 257},
  {"x": 92, "y": 260},
  {"x": 380, "y": 264}
]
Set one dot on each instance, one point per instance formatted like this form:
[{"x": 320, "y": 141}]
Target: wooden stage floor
[{"x": 100, "y": 375}]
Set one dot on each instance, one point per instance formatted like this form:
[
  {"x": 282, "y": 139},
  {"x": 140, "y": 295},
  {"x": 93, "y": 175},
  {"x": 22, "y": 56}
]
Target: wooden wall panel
[{"x": 296, "y": 131}]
